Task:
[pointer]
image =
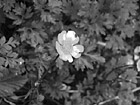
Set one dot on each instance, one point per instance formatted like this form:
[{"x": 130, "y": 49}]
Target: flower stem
[{"x": 45, "y": 73}]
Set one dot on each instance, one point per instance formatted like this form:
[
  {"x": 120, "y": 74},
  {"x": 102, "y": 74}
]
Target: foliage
[{"x": 33, "y": 73}]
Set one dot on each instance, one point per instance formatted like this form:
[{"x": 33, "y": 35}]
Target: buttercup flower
[
  {"x": 136, "y": 51},
  {"x": 66, "y": 46},
  {"x": 129, "y": 60},
  {"x": 138, "y": 65}
]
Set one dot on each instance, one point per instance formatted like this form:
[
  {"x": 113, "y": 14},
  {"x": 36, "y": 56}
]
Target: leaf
[
  {"x": 111, "y": 76},
  {"x": 12, "y": 59},
  {"x": 130, "y": 75},
  {"x": 33, "y": 36},
  {"x": 131, "y": 6},
  {"x": 89, "y": 80},
  {"x": 59, "y": 94},
  {"x": 19, "y": 13},
  {"x": 44, "y": 16},
  {"x": 2, "y": 16},
  {"x": 59, "y": 63},
  {"x": 11, "y": 83},
  {"x": 5, "y": 47},
  {"x": 71, "y": 8},
  {"x": 12, "y": 42},
  {"x": 8, "y": 4},
  {"x": 51, "y": 19},
  {"x": 40, "y": 97},
  {"x": 16, "y": 18},
  {"x": 111, "y": 64},
  {"x": 128, "y": 31},
  {"x": 2, "y": 40},
  {"x": 2, "y": 61},
  {"x": 90, "y": 47},
  {"x": 115, "y": 42},
  {"x": 125, "y": 60},
  {"x": 54, "y": 90},
  {"x": 28, "y": 13},
  {"x": 109, "y": 21},
  {"x": 82, "y": 63},
  {"x": 55, "y": 3},
  {"x": 99, "y": 29},
  {"x": 47, "y": 17},
  {"x": 19, "y": 9},
  {"x": 69, "y": 79}
]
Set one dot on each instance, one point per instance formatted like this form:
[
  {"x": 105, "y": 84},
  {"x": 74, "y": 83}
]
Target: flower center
[{"x": 68, "y": 47}]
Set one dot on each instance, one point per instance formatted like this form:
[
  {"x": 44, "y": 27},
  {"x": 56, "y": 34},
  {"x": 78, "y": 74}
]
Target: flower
[
  {"x": 136, "y": 52},
  {"x": 66, "y": 47},
  {"x": 138, "y": 65},
  {"x": 129, "y": 60}
]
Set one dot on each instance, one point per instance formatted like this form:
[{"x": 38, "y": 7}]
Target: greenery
[{"x": 32, "y": 71}]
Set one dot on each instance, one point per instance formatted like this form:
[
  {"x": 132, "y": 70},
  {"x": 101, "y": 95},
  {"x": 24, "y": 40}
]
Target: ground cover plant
[{"x": 69, "y": 52}]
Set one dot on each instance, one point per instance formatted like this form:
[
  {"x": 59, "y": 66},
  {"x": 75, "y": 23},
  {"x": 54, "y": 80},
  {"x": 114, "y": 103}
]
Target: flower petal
[
  {"x": 70, "y": 59},
  {"x": 71, "y": 36},
  {"x": 59, "y": 48},
  {"x": 136, "y": 57},
  {"x": 129, "y": 60},
  {"x": 61, "y": 37},
  {"x": 137, "y": 49},
  {"x": 63, "y": 57},
  {"x": 78, "y": 48},
  {"x": 66, "y": 57},
  {"x": 138, "y": 65},
  {"x": 62, "y": 54},
  {"x": 75, "y": 54}
]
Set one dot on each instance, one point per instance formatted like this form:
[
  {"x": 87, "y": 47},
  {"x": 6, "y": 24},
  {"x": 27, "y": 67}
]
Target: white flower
[
  {"x": 136, "y": 51},
  {"x": 130, "y": 60},
  {"x": 66, "y": 47},
  {"x": 138, "y": 65},
  {"x": 136, "y": 57}
]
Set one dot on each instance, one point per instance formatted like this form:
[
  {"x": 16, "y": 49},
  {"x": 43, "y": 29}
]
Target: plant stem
[
  {"x": 103, "y": 102},
  {"x": 117, "y": 97},
  {"x": 136, "y": 89}
]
